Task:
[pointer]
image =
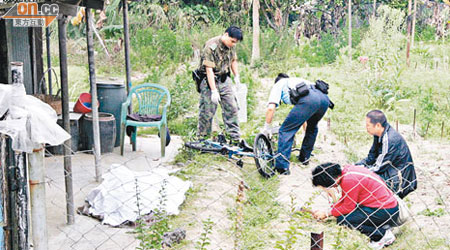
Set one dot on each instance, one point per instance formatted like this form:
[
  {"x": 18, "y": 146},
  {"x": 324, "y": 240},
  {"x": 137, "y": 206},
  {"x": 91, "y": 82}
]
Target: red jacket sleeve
[{"x": 350, "y": 192}]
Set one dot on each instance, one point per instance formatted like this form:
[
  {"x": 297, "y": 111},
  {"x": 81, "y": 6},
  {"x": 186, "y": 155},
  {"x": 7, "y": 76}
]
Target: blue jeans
[
  {"x": 311, "y": 109},
  {"x": 370, "y": 221}
]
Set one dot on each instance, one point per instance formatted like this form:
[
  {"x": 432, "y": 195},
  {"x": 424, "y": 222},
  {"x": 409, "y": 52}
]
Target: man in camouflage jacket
[{"x": 218, "y": 58}]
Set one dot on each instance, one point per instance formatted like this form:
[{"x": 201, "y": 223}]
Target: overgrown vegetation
[
  {"x": 166, "y": 37},
  {"x": 150, "y": 233}
]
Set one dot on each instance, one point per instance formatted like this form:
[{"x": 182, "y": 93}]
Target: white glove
[
  {"x": 215, "y": 97},
  {"x": 267, "y": 130},
  {"x": 237, "y": 80}
]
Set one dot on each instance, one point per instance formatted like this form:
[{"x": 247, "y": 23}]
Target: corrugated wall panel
[{"x": 18, "y": 37}]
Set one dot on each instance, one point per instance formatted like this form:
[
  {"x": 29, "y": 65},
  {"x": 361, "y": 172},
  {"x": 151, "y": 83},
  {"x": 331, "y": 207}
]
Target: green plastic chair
[{"x": 152, "y": 99}]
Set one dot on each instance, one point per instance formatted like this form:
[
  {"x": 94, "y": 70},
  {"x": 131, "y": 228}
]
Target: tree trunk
[
  {"x": 414, "y": 24},
  {"x": 255, "y": 46},
  {"x": 408, "y": 44},
  {"x": 374, "y": 8},
  {"x": 350, "y": 28}
]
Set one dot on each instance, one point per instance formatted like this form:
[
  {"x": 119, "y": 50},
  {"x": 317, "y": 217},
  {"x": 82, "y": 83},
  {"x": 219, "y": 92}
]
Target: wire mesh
[{"x": 229, "y": 207}]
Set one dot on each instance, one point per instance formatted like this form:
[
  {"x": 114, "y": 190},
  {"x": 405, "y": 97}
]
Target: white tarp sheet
[
  {"x": 28, "y": 121},
  {"x": 116, "y": 198}
]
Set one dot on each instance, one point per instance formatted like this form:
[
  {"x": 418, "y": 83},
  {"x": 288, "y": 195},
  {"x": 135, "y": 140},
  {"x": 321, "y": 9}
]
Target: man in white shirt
[{"x": 310, "y": 105}]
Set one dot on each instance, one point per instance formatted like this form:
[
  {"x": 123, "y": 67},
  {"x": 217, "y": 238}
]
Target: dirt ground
[
  {"x": 216, "y": 191},
  {"x": 432, "y": 164}
]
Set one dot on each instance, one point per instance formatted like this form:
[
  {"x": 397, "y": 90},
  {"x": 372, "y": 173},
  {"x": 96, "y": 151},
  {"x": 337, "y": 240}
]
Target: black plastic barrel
[
  {"x": 107, "y": 124},
  {"x": 111, "y": 95}
]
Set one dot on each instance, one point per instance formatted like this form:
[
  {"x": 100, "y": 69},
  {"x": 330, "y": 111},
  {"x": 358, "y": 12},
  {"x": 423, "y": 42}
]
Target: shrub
[
  {"x": 384, "y": 41},
  {"x": 159, "y": 48},
  {"x": 323, "y": 51}
]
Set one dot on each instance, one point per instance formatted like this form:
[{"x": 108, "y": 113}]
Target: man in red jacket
[{"x": 366, "y": 205}]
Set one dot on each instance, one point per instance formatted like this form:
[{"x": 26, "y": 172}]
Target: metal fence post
[
  {"x": 19, "y": 191},
  {"x": 4, "y": 190},
  {"x": 62, "y": 34},
  {"x": 36, "y": 171}
]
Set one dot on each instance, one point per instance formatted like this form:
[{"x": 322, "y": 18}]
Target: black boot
[
  {"x": 283, "y": 171},
  {"x": 243, "y": 144}
]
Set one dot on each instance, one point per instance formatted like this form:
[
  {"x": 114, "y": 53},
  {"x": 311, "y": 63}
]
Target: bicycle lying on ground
[{"x": 262, "y": 151}]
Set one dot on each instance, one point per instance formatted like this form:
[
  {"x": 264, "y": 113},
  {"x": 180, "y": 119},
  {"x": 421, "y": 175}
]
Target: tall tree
[
  {"x": 408, "y": 43},
  {"x": 255, "y": 47},
  {"x": 414, "y": 24},
  {"x": 350, "y": 28}
]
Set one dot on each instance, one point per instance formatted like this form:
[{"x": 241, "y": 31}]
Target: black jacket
[{"x": 390, "y": 156}]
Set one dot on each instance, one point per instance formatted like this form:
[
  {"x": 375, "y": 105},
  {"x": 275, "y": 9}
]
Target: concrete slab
[{"x": 88, "y": 233}]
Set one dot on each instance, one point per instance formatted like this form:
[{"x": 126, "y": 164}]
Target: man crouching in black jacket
[{"x": 389, "y": 156}]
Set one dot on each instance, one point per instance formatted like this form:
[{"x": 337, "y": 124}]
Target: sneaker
[{"x": 387, "y": 240}]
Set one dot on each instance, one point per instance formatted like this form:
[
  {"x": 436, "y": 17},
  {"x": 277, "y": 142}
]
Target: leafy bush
[
  {"x": 425, "y": 33},
  {"x": 159, "y": 48},
  {"x": 384, "y": 41},
  {"x": 383, "y": 46},
  {"x": 323, "y": 51},
  {"x": 201, "y": 14}
]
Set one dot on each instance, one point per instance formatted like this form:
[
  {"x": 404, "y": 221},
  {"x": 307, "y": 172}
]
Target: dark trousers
[
  {"x": 370, "y": 221},
  {"x": 311, "y": 109}
]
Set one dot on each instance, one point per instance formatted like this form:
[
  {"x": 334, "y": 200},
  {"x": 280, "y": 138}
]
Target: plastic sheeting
[
  {"x": 28, "y": 121},
  {"x": 116, "y": 199}
]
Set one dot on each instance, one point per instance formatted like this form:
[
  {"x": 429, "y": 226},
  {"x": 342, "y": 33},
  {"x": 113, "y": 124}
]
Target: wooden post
[
  {"x": 317, "y": 241},
  {"x": 426, "y": 131},
  {"x": 240, "y": 199},
  {"x": 126, "y": 38},
  {"x": 396, "y": 125},
  {"x": 93, "y": 81},
  {"x": 49, "y": 60},
  {"x": 62, "y": 36},
  {"x": 442, "y": 130},
  {"x": 414, "y": 124}
]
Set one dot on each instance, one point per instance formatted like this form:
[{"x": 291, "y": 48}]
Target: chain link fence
[{"x": 207, "y": 201}]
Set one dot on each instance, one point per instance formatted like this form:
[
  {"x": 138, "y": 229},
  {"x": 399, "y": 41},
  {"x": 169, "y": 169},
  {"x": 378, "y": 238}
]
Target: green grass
[
  {"x": 260, "y": 210},
  {"x": 164, "y": 56}
]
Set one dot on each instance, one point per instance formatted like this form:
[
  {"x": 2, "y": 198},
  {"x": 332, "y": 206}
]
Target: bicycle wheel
[
  {"x": 204, "y": 146},
  {"x": 262, "y": 148}
]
